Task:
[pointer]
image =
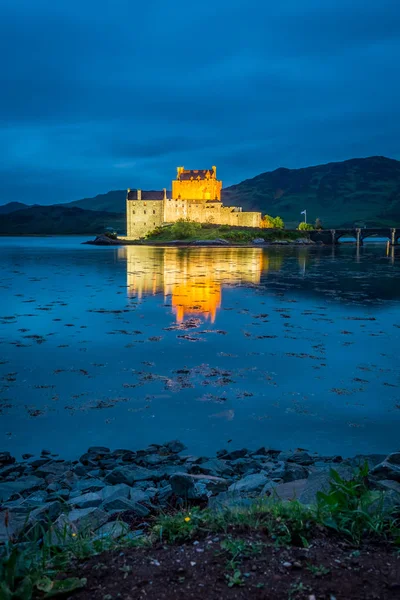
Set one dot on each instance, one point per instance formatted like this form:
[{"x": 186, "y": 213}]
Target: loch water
[{"x": 283, "y": 347}]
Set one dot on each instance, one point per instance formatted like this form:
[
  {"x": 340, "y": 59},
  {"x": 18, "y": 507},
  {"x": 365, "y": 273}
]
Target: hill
[
  {"x": 60, "y": 219},
  {"x": 113, "y": 201},
  {"x": 363, "y": 191},
  {"x": 5, "y": 209}
]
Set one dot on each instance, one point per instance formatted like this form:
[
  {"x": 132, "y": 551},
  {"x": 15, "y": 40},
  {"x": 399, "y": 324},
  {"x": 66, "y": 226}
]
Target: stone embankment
[{"x": 104, "y": 489}]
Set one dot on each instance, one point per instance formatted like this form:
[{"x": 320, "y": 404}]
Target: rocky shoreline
[
  {"x": 112, "y": 493},
  {"x": 103, "y": 240}
]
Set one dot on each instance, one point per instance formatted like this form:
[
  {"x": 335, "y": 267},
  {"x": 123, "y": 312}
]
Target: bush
[
  {"x": 272, "y": 222},
  {"x": 184, "y": 229},
  {"x": 305, "y": 226},
  {"x": 318, "y": 223},
  {"x": 111, "y": 234}
]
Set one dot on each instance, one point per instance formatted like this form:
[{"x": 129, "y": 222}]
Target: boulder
[
  {"x": 291, "y": 490},
  {"x": 129, "y": 475},
  {"x": 112, "y": 530},
  {"x": 231, "y": 501},
  {"x": 214, "y": 467},
  {"x": 22, "y": 484},
  {"x": 90, "y": 484},
  {"x": 122, "y": 504},
  {"x": 258, "y": 241},
  {"x": 53, "y": 470},
  {"x": 249, "y": 483},
  {"x": 83, "y": 519},
  {"x": 6, "y": 459},
  {"x": 293, "y": 471},
  {"x": 235, "y": 454},
  {"x": 196, "y": 487},
  {"x": 388, "y": 469},
  {"x": 111, "y": 492},
  {"x": 319, "y": 481},
  {"x": 86, "y": 500},
  {"x": 175, "y": 446},
  {"x": 300, "y": 457}
]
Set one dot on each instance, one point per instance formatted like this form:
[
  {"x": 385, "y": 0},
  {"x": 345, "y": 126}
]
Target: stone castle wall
[{"x": 142, "y": 216}]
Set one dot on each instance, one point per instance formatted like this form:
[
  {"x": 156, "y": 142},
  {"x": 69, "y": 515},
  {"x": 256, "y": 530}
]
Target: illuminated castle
[{"x": 195, "y": 196}]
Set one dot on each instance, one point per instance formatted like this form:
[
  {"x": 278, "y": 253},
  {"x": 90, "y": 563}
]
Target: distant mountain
[
  {"x": 60, "y": 219},
  {"x": 11, "y": 207},
  {"x": 113, "y": 201},
  {"x": 363, "y": 191}
]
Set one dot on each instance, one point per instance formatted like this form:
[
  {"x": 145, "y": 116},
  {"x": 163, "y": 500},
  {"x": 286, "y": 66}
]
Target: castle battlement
[{"x": 195, "y": 196}]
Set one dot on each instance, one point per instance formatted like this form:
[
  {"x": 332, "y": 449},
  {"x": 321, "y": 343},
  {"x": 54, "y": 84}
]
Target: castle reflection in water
[{"x": 193, "y": 279}]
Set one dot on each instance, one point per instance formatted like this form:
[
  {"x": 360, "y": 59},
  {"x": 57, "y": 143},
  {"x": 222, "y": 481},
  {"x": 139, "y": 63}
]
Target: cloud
[{"x": 110, "y": 95}]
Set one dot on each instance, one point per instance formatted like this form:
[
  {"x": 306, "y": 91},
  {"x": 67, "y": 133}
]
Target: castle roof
[
  {"x": 147, "y": 195},
  {"x": 195, "y": 173}
]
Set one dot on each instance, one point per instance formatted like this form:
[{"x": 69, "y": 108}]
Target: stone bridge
[{"x": 332, "y": 236}]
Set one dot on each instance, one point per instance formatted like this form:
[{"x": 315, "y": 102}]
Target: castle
[{"x": 195, "y": 196}]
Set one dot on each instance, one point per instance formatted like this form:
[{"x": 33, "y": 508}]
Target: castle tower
[{"x": 196, "y": 184}]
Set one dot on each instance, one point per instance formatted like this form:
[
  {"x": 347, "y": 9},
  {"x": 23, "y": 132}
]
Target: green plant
[
  {"x": 305, "y": 226},
  {"x": 184, "y": 229},
  {"x": 318, "y": 570},
  {"x": 318, "y": 223},
  {"x": 272, "y": 222},
  {"x": 235, "y": 578},
  {"x": 111, "y": 234},
  {"x": 350, "y": 507}
]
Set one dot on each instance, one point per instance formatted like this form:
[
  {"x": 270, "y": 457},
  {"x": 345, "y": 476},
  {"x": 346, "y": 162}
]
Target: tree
[
  {"x": 318, "y": 223},
  {"x": 184, "y": 229},
  {"x": 269, "y": 222},
  {"x": 305, "y": 226}
]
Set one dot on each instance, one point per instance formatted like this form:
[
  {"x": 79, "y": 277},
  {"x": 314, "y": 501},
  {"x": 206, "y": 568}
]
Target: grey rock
[
  {"x": 16, "y": 525},
  {"x": 386, "y": 485},
  {"x": 53, "y": 470},
  {"x": 236, "y": 454},
  {"x": 194, "y": 487},
  {"x": 111, "y": 492},
  {"x": 15, "y": 468},
  {"x": 86, "y": 500},
  {"x": 83, "y": 519},
  {"x": 112, "y": 530},
  {"x": 319, "y": 481},
  {"x": 293, "y": 472},
  {"x": 230, "y": 500},
  {"x": 99, "y": 450},
  {"x": 175, "y": 446},
  {"x": 143, "y": 497},
  {"x": 372, "y": 460},
  {"x": 298, "y": 457},
  {"x": 130, "y": 475},
  {"x": 258, "y": 241},
  {"x": 164, "y": 494},
  {"x": 62, "y": 494},
  {"x": 213, "y": 467},
  {"x": 10, "y": 488},
  {"x": 6, "y": 459},
  {"x": 291, "y": 490},
  {"x": 244, "y": 465},
  {"x": 249, "y": 483},
  {"x": 40, "y": 519},
  {"x": 123, "y": 504},
  {"x": 88, "y": 485},
  {"x": 388, "y": 469}
]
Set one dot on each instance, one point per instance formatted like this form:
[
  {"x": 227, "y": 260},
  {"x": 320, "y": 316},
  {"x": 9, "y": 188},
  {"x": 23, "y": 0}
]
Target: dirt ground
[{"x": 329, "y": 569}]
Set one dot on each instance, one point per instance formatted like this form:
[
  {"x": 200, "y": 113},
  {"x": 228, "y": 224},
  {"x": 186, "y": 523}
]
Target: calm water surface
[{"x": 283, "y": 347}]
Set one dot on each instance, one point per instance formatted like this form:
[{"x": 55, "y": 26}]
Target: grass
[
  {"x": 190, "y": 231},
  {"x": 349, "y": 508}
]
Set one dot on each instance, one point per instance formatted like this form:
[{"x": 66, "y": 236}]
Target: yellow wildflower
[{"x": 187, "y": 519}]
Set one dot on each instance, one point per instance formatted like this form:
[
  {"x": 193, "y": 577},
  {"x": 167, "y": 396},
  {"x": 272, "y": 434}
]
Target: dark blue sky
[{"x": 99, "y": 94}]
